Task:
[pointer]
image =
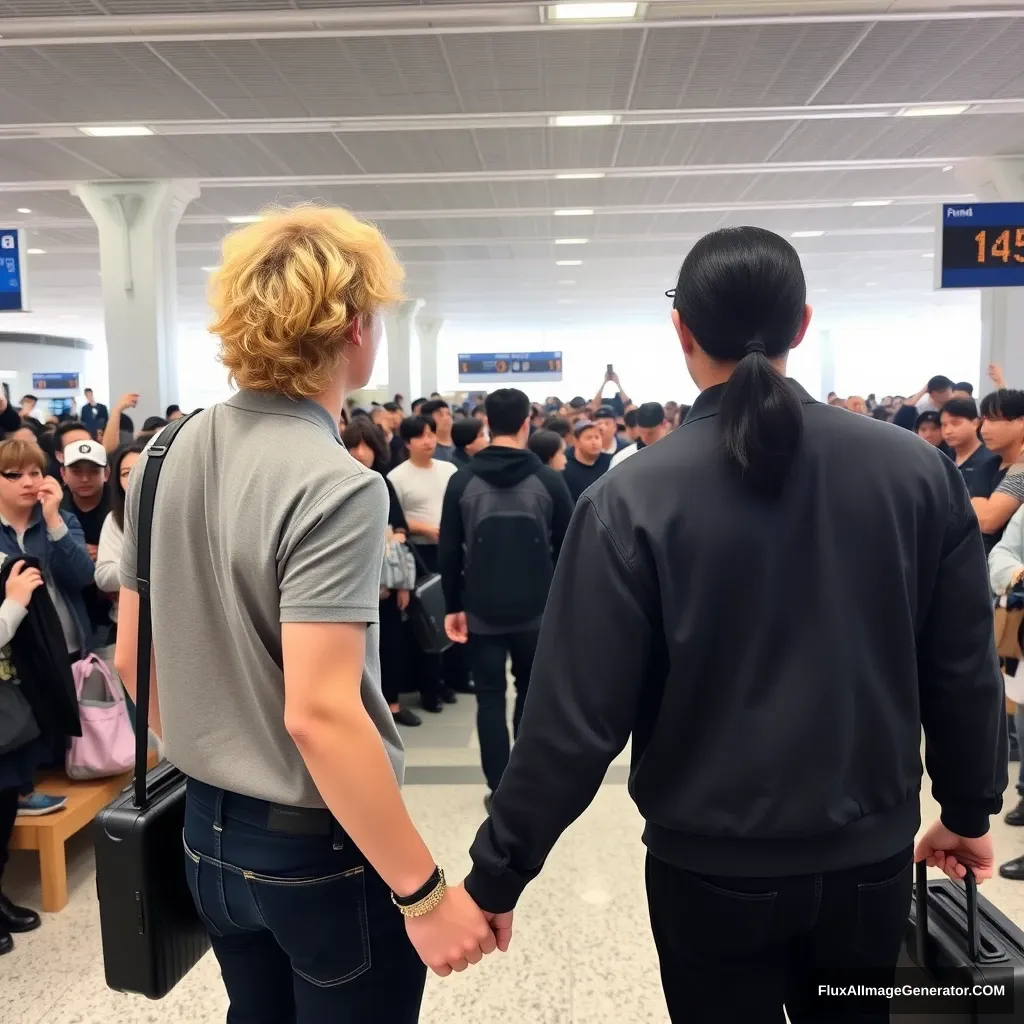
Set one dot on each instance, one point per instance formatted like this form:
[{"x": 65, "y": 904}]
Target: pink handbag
[{"x": 107, "y": 744}]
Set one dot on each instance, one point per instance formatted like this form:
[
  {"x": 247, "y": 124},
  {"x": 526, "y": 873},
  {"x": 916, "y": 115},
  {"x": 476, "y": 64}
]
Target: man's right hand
[
  {"x": 128, "y": 401},
  {"x": 453, "y": 936},
  {"x": 955, "y": 854},
  {"x": 457, "y": 628}
]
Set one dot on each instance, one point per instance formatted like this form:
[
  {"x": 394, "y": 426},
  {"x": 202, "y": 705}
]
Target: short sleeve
[
  {"x": 329, "y": 569},
  {"x": 1013, "y": 484}
]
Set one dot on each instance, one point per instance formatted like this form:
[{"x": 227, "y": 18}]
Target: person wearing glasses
[{"x": 774, "y": 694}]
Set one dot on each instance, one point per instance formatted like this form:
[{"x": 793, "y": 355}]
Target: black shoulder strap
[{"x": 144, "y": 550}]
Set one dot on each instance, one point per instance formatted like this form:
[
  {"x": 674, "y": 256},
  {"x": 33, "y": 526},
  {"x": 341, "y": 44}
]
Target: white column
[
  {"x": 428, "y": 328},
  {"x": 138, "y": 222},
  {"x": 404, "y": 352},
  {"x": 1002, "y": 309},
  {"x": 828, "y": 364}
]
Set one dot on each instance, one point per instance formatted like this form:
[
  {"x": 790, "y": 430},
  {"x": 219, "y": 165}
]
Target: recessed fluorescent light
[
  {"x": 807, "y": 234},
  {"x": 574, "y": 213},
  {"x": 568, "y": 263},
  {"x": 591, "y": 12},
  {"x": 24, "y": 209},
  {"x": 113, "y": 131},
  {"x": 873, "y": 202},
  {"x": 245, "y": 218},
  {"x": 36, "y": 252},
  {"x": 566, "y": 282},
  {"x": 571, "y": 241},
  {"x": 927, "y": 255},
  {"x": 582, "y": 120},
  {"x": 209, "y": 270},
  {"x": 941, "y": 110},
  {"x": 947, "y": 168},
  {"x": 579, "y": 176}
]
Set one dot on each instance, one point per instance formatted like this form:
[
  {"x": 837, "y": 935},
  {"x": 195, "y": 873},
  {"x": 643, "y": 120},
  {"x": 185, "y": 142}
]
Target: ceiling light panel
[
  {"x": 807, "y": 234},
  {"x": 593, "y": 11},
  {"x": 580, "y": 176},
  {"x": 582, "y": 120},
  {"x": 574, "y": 212},
  {"x": 938, "y": 110},
  {"x": 571, "y": 241},
  {"x": 115, "y": 131}
]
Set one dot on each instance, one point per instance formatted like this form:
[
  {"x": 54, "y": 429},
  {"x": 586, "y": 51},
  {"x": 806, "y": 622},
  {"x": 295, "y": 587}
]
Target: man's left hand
[{"x": 457, "y": 628}]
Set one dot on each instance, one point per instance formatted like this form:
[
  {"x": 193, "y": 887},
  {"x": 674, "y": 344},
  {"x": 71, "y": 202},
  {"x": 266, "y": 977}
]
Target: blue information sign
[
  {"x": 981, "y": 245},
  {"x": 55, "y": 381},
  {"x": 12, "y": 272},
  {"x": 494, "y": 367}
]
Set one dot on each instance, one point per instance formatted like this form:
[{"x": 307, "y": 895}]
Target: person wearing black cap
[
  {"x": 586, "y": 461},
  {"x": 605, "y": 421},
  {"x": 775, "y": 695},
  {"x": 651, "y": 426}
]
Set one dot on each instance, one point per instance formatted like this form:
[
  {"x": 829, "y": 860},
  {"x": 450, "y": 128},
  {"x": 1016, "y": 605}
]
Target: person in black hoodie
[
  {"x": 502, "y": 524},
  {"x": 775, "y": 695}
]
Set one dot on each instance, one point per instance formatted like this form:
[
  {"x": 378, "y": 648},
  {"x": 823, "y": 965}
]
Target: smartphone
[{"x": 611, "y": 369}]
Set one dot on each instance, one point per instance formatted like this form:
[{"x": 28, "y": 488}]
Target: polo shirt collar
[
  {"x": 709, "y": 402},
  {"x": 271, "y": 404}
]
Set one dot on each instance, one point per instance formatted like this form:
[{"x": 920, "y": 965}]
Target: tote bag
[{"x": 107, "y": 744}]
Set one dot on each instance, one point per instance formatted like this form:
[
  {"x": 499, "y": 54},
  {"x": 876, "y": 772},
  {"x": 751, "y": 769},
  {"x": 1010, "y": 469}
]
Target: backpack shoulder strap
[{"x": 144, "y": 551}]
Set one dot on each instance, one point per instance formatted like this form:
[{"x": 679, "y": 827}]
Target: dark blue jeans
[{"x": 303, "y": 927}]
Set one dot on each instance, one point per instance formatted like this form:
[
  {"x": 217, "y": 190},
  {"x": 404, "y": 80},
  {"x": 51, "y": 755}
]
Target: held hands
[
  {"x": 22, "y": 583},
  {"x": 457, "y": 628},
  {"x": 454, "y": 935},
  {"x": 50, "y": 497},
  {"x": 955, "y": 854}
]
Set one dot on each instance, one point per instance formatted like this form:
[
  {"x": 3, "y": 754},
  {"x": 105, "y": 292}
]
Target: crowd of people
[
  {"x": 63, "y": 482},
  {"x": 285, "y": 635}
]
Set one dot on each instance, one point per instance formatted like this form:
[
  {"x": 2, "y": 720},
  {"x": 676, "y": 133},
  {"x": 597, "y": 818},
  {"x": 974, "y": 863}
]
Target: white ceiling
[{"x": 433, "y": 119}]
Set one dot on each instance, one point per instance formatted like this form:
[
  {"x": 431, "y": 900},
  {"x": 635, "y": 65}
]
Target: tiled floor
[{"x": 582, "y": 952}]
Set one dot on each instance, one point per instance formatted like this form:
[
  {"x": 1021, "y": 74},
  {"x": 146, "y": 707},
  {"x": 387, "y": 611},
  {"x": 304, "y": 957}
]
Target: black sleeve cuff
[
  {"x": 967, "y": 820},
  {"x": 493, "y": 894}
]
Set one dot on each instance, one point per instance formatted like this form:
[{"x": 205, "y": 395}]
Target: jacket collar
[
  {"x": 35, "y": 519},
  {"x": 708, "y": 402},
  {"x": 272, "y": 404}
]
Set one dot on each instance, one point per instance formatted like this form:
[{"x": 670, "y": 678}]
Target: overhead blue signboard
[
  {"x": 13, "y": 295},
  {"x": 508, "y": 367},
  {"x": 55, "y": 381},
  {"x": 981, "y": 245}
]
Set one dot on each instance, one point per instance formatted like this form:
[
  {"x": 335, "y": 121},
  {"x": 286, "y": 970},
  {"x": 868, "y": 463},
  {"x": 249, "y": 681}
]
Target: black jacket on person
[
  {"x": 502, "y": 524},
  {"x": 40, "y": 656},
  {"x": 579, "y": 476},
  {"x": 774, "y": 689}
]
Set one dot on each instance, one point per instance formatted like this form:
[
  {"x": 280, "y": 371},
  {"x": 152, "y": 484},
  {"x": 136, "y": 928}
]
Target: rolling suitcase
[
  {"x": 427, "y": 609},
  {"x": 957, "y": 938},
  {"x": 151, "y": 933}
]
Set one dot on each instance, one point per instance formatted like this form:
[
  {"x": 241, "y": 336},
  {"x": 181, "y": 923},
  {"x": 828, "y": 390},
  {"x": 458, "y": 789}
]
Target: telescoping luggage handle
[
  {"x": 921, "y": 902},
  {"x": 144, "y": 550}
]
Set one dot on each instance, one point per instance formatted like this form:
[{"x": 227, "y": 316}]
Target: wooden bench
[{"x": 48, "y": 833}]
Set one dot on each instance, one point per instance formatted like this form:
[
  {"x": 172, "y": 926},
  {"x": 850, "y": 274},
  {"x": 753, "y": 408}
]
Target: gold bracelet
[{"x": 429, "y": 902}]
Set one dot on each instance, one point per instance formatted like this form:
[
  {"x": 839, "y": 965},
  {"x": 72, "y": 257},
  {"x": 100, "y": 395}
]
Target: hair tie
[{"x": 756, "y": 345}]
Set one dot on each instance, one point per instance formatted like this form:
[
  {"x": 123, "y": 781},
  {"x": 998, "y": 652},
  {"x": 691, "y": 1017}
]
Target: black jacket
[
  {"x": 578, "y": 476},
  {"x": 40, "y": 658},
  {"x": 773, "y": 660},
  {"x": 529, "y": 508}
]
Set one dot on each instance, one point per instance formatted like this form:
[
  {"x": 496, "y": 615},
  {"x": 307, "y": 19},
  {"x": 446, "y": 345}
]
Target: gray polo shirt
[{"x": 261, "y": 518}]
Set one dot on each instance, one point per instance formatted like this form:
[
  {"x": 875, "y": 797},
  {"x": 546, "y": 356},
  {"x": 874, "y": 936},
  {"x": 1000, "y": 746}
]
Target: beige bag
[{"x": 1008, "y": 625}]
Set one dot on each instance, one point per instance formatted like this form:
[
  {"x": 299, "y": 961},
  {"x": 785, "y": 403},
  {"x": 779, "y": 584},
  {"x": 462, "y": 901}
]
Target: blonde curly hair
[{"x": 288, "y": 291}]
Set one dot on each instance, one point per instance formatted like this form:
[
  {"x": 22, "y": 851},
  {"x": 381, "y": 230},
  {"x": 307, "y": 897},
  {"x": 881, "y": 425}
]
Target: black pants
[
  {"x": 302, "y": 926},
  {"x": 487, "y": 655},
  {"x": 8, "y": 814},
  {"x": 393, "y": 653},
  {"x": 738, "y": 949}
]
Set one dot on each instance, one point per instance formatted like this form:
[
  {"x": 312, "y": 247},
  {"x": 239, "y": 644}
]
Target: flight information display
[
  {"x": 12, "y": 272},
  {"x": 55, "y": 381},
  {"x": 981, "y": 245},
  {"x": 508, "y": 367}
]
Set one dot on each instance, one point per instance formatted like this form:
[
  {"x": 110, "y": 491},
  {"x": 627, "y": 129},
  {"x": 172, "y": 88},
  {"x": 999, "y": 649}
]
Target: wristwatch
[{"x": 426, "y": 898}]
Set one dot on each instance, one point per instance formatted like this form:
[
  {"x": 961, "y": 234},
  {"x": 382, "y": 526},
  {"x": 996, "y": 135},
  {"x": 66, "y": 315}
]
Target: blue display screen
[
  {"x": 982, "y": 245},
  {"x": 535, "y": 366},
  {"x": 11, "y": 276}
]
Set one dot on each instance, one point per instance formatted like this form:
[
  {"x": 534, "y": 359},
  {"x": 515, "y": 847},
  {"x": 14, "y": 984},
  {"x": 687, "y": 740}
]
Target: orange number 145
[{"x": 1001, "y": 246}]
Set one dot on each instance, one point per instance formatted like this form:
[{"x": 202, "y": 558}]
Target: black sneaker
[
  {"x": 466, "y": 687},
  {"x": 406, "y": 717},
  {"x": 431, "y": 704},
  {"x": 448, "y": 695},
  {"x": 1016, "y": 816},
  {"x": 1013, "y": 870}
]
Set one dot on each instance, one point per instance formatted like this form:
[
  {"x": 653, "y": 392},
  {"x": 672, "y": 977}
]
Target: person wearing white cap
[{"x": 86, "y": 494}]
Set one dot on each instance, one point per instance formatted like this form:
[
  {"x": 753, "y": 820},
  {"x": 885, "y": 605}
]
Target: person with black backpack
[{"x": 502, "y": 524}]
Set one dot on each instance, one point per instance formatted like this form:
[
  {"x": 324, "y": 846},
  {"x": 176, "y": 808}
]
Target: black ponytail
[{"x": 742, "y": 295}]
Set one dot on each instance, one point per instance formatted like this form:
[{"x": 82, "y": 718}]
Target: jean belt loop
[
  {"x": 338, "y": 836},
  {"x": 218, "y": 817}
]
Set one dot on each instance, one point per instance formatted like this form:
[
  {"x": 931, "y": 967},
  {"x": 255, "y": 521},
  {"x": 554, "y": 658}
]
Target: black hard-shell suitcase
[
  {"x": 427, "y": 613},
  {"x": 151, "y": 932},
  {"x": 956, "y": 937}
]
